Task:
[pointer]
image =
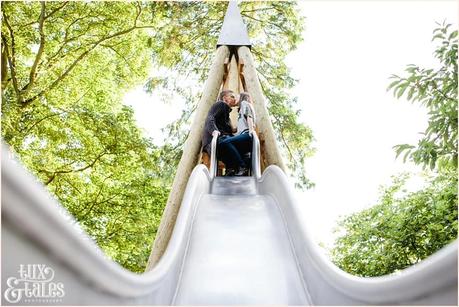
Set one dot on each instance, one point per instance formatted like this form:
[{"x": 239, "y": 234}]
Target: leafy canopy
[
  {"x": 68, "y": 64},
  {"x": 400, "y": 230},
  {"x": 65, "y": 68}
]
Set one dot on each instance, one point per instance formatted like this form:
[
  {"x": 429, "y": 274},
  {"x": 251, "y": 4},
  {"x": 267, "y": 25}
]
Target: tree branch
[
  {"x": 33, "y": 70},
  {"x": 259, "y": 10},
  {"x": 75, "y": 62},
  {"x": 139, "y": 11},
  {"x": 54, "y": 173},
  {"x": 443, "y": 94},
  {"x": 78, "y": 59},
  {"x": 47, "y": 16},
  {"x": 285, "y": 141},
  {"x": 56, "y": 9},
  {"x": 98, "y": 203},
  {"x": 67, "y": 40},
  {"x": 42, "y": 119},
  {"x": 121, "y": 56},
  {"x": 11, "y": 57},
  {"x": 4, "y": 66},
  {"x": 55, "y": 114},
  {"x": 265, "y": 21}
]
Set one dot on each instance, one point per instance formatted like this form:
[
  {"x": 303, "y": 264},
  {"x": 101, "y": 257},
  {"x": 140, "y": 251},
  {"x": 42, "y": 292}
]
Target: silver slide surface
[
  {"x": 239, "y": 251},
  {"x": 237, "y": 241}
]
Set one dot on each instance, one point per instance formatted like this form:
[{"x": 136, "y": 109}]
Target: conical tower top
[{"x": 234, "y": 31}]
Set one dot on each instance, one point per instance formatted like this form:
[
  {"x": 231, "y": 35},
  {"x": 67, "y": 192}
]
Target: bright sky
[{"x": 350, "y": 49}]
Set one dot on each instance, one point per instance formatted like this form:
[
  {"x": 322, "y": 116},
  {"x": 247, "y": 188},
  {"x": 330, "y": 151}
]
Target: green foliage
[
  {"x": 398, "y": 231},
  {"x": 71, "y": 37},
  {"x": 294, "y": 137},
  {"x": 271, "y": 46},
  {"x": 435, "y": 89},
  {"x": 65, "y": 68},
  {"x": 62, "y": 114}
]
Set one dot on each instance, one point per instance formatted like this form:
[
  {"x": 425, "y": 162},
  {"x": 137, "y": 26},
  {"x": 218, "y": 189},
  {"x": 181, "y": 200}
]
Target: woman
[
  {"x": 245, "y": 128},
  {"x": 246, "y": 119}
]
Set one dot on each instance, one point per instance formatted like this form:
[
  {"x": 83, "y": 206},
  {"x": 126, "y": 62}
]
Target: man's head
[{"x": 228, "y": 97}]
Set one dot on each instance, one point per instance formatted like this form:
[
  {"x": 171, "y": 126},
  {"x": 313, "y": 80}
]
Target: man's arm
[{"x": 210, "y": 120}]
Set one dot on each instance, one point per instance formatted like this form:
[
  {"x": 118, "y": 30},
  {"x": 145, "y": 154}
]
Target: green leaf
[
  {"x": 438, "y": 36},
  {"x": 401, "y": 89},
  {"x": 452, "y": 35},
  {"x": 394, "y": 83}
]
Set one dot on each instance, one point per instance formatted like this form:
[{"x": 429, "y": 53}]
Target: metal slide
[{"x": 237, "y": 241}]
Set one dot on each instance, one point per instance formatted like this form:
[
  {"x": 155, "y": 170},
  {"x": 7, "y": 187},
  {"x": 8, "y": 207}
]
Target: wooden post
[
  {"x": 233, "y": 84},
  {"x": 267, "y": 137},
  {"x": 190, "y": 157},
  {"x": 241, "y": 76},
  {"x": 225, "y": 74}
]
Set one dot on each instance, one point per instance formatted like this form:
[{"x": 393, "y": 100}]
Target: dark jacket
[{"x": 217, "y": 119}]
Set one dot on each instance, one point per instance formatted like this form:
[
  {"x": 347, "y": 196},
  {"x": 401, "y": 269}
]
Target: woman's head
[{"x": 245, "y": 96}]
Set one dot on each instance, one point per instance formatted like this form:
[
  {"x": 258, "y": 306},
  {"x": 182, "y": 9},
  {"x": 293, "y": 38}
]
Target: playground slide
[{"x": 237, "y": 241}]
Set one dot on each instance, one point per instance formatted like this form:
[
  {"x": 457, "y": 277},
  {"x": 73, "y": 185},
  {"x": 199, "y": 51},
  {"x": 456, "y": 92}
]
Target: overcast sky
[{"x": 350, "y": 49}]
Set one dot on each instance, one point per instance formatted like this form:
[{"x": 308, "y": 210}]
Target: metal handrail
[
  {"x": 256, "y": 169},
  {"x": 213, "y": 157}
]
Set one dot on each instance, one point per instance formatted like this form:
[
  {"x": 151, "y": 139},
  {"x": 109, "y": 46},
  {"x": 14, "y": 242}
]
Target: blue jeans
[{"x": 231, "y": 149}]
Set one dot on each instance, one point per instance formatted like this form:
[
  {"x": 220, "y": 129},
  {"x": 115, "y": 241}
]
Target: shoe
[
  {"x": 243, "y": 171},
  {"x": 230, "y": 172}
]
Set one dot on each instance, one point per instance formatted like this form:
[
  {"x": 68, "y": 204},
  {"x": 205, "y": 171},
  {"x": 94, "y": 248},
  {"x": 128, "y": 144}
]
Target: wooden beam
[
  {"x": 225, "y": 74},
  {"x": 190, "y": 158},
  {"x": 242, "y": 87},
  {"x": 271, "y": 152},
  {"x": 233, "y": 84}
]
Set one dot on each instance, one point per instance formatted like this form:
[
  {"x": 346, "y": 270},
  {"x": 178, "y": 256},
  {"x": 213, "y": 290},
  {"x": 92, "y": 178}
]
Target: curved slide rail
[
  {"x": 431, "y": 282},
  {"x": 35, "y": 232},
  {"x": 245, "y": 248}
]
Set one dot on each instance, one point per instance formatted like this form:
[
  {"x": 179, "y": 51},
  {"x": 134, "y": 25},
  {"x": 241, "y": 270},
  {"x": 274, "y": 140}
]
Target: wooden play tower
[{"x": 233, "y": 68}]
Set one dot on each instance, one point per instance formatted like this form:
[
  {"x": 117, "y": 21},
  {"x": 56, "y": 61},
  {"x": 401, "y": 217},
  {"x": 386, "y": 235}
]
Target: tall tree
[
  {"x": 402, "y": 229},
  {"x": 68, "y": 65},
  {"x": 65, "y": 68}
]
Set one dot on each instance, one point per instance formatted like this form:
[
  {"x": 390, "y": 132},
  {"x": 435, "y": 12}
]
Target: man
[{"x": 218, "y": 123}]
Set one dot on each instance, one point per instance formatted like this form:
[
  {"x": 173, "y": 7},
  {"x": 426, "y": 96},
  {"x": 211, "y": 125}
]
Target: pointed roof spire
[{"x": 234, "y": 31}]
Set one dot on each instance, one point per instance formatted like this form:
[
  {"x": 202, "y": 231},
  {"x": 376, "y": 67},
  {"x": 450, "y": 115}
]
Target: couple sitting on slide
[{"x": 231, "y": 148}]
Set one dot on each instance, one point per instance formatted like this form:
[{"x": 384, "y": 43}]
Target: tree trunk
[
  {"x": 4, "y": 71},
  {"x": 232, "y": 83}
]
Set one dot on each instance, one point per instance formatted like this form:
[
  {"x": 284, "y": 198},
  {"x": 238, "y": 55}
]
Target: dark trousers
[{"x": 231, "y": 150}]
